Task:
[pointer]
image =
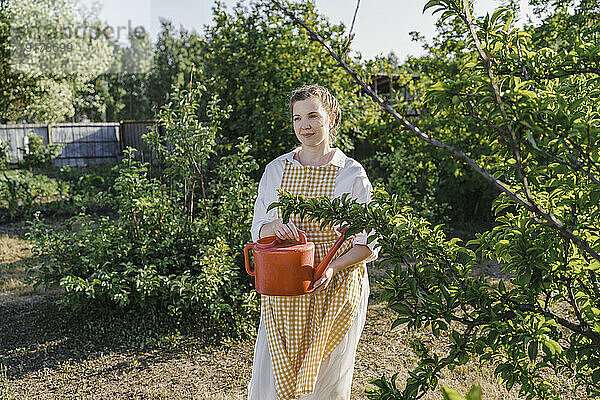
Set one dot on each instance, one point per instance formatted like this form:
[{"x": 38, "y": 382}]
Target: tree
[
  {"x": 48, "y": 65},
  {"x": 125, "y": 89},
  {"x": 536, "y": 108},
  {"x": 423, "y": 176},
  {"x": 15, "y": 90},
  {"x": 176, "y": 53},
  {"x": 250, "y": 60}
]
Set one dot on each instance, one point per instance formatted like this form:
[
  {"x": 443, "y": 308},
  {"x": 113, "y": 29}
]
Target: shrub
[
  {"x": 18, "y": 196},
  {"x": 86, "y": 188},
  {"x": 37, "y": 155},
  {"x": 210, "y": 186},
  {"x": 168, "y": 251},
  {"x": 67, "y": 190},
  {"x": 21, "y": 192},
  {"x": 152, "y": 259},
  {"x": 4, "y": 155}
]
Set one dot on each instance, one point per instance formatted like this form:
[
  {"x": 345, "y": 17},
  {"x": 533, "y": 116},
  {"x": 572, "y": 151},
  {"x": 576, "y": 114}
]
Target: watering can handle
[
  {"x": 247, "y": 259},
  {"x": 320, "y": 270},
  {"x": 274, "y": 240}
]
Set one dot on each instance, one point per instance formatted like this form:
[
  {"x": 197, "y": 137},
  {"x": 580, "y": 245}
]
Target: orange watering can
[{"x": 286, "y": 267}]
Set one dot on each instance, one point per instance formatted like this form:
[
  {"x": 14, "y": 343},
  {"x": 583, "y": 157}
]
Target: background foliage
[
  {"x": 524, "y": 110},
  {"x": 170, "y": 250},
  {"x": 48, "y": 86}
]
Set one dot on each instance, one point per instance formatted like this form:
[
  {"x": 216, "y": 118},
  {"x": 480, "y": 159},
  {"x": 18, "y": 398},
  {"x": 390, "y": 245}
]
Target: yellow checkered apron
[{"x": 303, "y": 330}]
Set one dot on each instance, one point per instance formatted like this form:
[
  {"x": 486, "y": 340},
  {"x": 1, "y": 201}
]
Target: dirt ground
[{"x": 44, "y": 357}]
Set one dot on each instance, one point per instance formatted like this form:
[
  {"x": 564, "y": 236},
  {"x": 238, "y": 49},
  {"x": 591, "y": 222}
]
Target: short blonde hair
[{"x": 329, "y": 102}]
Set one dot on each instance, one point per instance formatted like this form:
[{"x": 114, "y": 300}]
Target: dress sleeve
[
  {"x": 265, "y": 197},
  {"x": 361, "y": 192}
]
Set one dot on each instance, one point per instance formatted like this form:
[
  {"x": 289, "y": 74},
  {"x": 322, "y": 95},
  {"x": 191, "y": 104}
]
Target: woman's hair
[{"x": 330, "y": 104}]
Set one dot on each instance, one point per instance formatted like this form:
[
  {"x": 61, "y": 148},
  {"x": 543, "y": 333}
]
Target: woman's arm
[
  {"x": 267, "y": 193},
  {"x": 356, "y": 254}
]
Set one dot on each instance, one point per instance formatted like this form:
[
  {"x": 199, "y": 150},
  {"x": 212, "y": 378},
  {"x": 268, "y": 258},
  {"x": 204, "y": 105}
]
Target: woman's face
[{"x": 311, "y": 122}]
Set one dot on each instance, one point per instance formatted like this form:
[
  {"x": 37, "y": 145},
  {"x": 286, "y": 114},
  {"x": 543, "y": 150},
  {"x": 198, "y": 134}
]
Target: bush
[
  {"x": 67, "y": 190},
  {"x": 4, "y": 148},
  {"x": 152, "y": 259},
  {"x": 21, "y": 192},
  {"x": 86, "y": 188},
  {"x": 36, "y": 155},
  {"x": 169, "y": 251}
]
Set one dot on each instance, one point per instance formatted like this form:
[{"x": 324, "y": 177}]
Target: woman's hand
[
  {"x": 324, "y": 280},
  {"x": 283, "y": 231},
  {"x": 355, "y": 255}
]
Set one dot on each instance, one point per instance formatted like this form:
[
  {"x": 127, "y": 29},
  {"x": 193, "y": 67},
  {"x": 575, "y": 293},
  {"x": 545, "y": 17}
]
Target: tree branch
[
  {"x": 550, "y": 220},
  {"x": 594, "y": 281},
  {"x": 523, "y": 67},
  {"x": 350, "y": 34},
  {"x": 593, "y": 336},
  {"x": 581, "y": 151},
  {"x": 487, "y": 64},
  {"x": 474, "y": 114},
  {"x": 573, "y": 302},
  {"x": 575, "y": 167}
]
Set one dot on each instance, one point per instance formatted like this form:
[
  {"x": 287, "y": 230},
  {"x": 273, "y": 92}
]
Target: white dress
[
  {"x": 334, "y": 377},
  {"x": 334, "y": 381}
]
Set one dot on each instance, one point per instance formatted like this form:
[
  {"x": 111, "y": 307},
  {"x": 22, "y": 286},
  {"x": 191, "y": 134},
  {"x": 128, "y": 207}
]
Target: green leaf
[
  {"x": 523, "y": 279},
  {"x": 532, "y": 350},
  {"x": 396, "y": 323},
  {"x": 596, "y": 376},
  {"x": 474, "y": 393},
  {"x": 497, "y": 15},
  {"x": 552, "y": 347},
  {"x": 451, "y": 394},
  {"x": 532, "y": 140},
  {"x": 432, "y": 3},
  {"x": 401, "y": 309},
  {"x": 501, "y": 286}
]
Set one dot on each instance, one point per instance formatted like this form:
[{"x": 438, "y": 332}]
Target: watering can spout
[{"x": 320, "y": 269}]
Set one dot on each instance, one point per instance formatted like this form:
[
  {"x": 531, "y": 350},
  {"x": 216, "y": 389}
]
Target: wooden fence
[
  {"x": 131, "y": 136},
  {"x": 84, "y": 143}
]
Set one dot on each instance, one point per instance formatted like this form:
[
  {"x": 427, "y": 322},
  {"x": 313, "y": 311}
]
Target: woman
[{"x": 306, "y": 344}]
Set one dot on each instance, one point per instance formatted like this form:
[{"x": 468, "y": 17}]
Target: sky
[{"x": 381, "y": 26}]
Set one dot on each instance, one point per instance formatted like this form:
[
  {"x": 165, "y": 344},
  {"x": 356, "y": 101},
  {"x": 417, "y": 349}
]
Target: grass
[
  {"x": 13, "y": 250},
  {"x": 46, "y": 353}
]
